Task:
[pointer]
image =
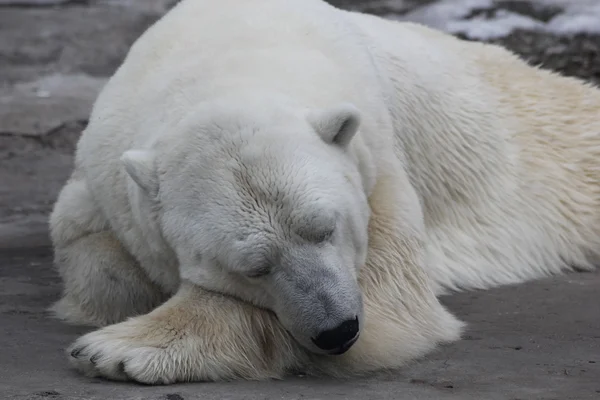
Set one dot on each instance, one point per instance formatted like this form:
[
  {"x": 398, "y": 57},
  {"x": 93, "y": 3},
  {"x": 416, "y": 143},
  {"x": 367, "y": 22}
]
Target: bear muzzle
[{"x": 340, "y": 339}]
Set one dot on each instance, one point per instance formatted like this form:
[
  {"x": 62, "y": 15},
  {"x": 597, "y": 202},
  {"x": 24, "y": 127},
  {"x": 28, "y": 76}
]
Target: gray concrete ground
[{"x": 536, "y": 341}]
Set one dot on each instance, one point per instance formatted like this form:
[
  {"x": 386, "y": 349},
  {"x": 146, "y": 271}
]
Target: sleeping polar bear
[{"x": 273, "y": 185}]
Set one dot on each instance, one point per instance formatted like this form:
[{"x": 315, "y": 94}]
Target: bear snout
[{"x": 339, "y": 339}]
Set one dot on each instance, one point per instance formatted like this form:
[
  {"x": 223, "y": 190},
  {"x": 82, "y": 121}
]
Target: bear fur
[{"x": 476, "y": 170}]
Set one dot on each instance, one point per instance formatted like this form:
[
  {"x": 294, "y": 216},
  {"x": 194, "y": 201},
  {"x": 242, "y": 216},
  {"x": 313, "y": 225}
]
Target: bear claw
[
  {"x": 94, "y": 358},
  {"x": 76, "y": 352}
]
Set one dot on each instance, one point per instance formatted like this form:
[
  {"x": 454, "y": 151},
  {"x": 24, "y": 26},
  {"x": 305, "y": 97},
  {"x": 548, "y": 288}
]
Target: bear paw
[{"x": 121, "y": 352}]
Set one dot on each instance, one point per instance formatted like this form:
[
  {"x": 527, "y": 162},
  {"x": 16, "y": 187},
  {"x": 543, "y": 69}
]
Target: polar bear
[{"x": 274, "y": 186}]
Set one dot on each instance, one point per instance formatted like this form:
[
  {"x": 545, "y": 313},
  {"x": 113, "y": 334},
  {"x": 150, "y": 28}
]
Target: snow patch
[
  {"x": 504, "y": 22},
  {"x": 578, "y": 16}
]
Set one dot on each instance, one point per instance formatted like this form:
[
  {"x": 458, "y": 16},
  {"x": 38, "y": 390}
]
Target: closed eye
[
  {"x": 323, "y": 236},
  {"x": 259, "y": 272},
  {"x": 316, "y": 236}
]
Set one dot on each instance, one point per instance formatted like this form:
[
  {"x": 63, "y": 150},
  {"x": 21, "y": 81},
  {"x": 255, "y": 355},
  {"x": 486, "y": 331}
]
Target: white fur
[{"x": 470, "y": 168}]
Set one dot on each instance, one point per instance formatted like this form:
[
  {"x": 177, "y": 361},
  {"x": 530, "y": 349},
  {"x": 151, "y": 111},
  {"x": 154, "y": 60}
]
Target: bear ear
[
  {"x": 140, "y": 166},
  {"x": 336, "y": 125}
]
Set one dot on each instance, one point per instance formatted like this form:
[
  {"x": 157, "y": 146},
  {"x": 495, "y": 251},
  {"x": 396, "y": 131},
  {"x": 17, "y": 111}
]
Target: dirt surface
[
  {"x": 54, "y": 59},
  {"x": 536, "y": 341}
]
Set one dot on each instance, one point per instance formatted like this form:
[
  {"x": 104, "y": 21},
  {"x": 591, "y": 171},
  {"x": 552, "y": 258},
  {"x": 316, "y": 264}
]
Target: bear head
[{"x": 265, "y": 203}]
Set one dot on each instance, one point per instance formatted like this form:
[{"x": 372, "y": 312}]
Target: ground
[{"x": 535, "y": 341}]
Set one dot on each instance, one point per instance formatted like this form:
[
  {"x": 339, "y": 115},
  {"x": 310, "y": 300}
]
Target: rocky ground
[{"x": 536, "y": 341}]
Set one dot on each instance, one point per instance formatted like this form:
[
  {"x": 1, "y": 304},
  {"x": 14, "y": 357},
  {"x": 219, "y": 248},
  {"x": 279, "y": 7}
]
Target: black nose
[{"x": 339, "y": 339}]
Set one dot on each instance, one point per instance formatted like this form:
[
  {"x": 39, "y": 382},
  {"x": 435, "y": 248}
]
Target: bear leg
[
  {"x": 103, "y": 283},
  {"x": 195, "y": 336}
]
